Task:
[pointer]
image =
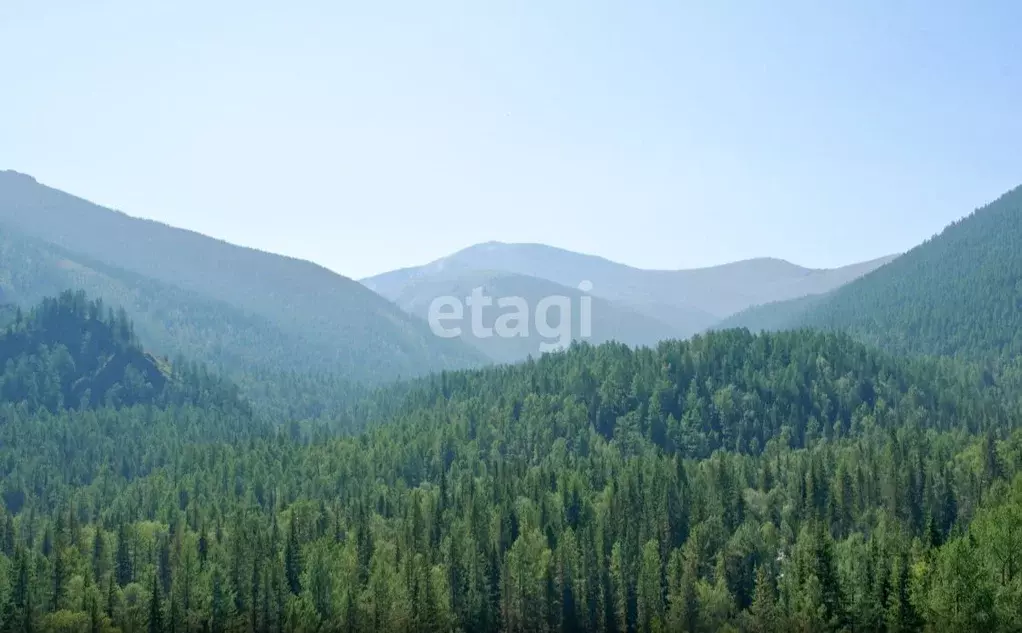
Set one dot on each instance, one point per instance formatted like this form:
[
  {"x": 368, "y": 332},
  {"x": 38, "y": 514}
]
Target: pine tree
[
  {"x": 650, "y": 605},
  {"x": 203, "y": 546},
  {"x": 123, "y": 562},
  {"x": 111, "y": 596},
  {"x": 682, "y": 605},
  {"x": 222, "y": 612},
  {"x": 175, "y": 621},
  {"x": 961, "y": 598},
  {"x": 163, "y": 564},
  {"x": 810, "y": 610},
  {"x": 96, "y": 619},
  {"x": 16, "y": 616},
  {"x": 7, "y": 535},
  {"x": 58, "y": 564},
  {"x": 899, "y": 615},
  {"x": 99, "y": 565},
  {"x": 763, "y": 610},
  {"x": 619, "y": 584},
  {"x": 293, "y": 559},
  {"x": 155, "y": 608}
]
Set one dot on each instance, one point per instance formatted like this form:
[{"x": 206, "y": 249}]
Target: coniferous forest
[
  {"x": 510, "y": 317},
  {"x": 865, "y": 475},
  {"x": 798, "y": 481}
]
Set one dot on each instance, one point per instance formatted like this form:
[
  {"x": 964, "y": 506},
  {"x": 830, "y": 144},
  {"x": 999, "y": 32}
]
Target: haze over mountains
[
  {"x": 603, "y": 488},
  {"x": 638, "y": 306},
  {"x": 958, "y": 293},
  {"x": 237, "y": 308},
  {"x": 249, "y": 312},
  {"x": 199, "y": 437},
  {"x": 610, "y": 320}
]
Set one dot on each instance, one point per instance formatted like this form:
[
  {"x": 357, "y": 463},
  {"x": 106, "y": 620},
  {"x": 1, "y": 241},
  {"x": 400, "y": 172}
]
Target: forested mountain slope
[
  {"x": 687, "y": 300},
  {"x": 736, "y": 391},
  {"x": 606, "y": 320},
  {"x": 69, "y": 353},
  {"x": 786, "y": 482},
  {"x": 959, "y": 293},
  {"x": 169, "y": 319},
  {"x": 234, "y": 307},
  {"x": 79, "y": 396},
  {"x": 73, "y": 353},
  {"x": 775, "y": 316}
]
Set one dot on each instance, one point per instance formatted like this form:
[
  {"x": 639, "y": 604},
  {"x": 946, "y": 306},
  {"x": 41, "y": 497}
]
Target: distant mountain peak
[
  {"x": 768, "y": 260},
  {"x": 537, "y": 248},
  {"x": 686, "y": 301},
  {"x": 10, "y": 174}
]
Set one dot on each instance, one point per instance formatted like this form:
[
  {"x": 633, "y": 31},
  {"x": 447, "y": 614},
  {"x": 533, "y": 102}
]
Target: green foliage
[
  {"x": 69, "y": 353},
  {"x": 81, "y": 403},
  {"x": 783, "y": 482},
  {"x": 957, "y": 294}
]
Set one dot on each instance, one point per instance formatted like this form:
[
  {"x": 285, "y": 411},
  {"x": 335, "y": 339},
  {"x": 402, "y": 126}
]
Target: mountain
[
  {"x": 69, "y": 353},
  {"x": 774, "y": 316},
  {"x": 689, "y": 301},
  {"x": 611, "y": 281},
  {"x": 72, "y": 353},
  {"x": 958, "y": 293},
  {"x": 607, "y": 320},
  {"x": 238, "y": 308},
  {"x": 798, "y": 481},
  {"x": 81, "y": 400}
]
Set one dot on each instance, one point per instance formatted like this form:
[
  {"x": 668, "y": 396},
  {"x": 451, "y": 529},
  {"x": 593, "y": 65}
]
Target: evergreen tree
[
  {"x": 155, "y": 608},
  {"x": 123, "y": 563},
  {"x": 293, "y": 559},
  {"x": 763, "y": 612}
]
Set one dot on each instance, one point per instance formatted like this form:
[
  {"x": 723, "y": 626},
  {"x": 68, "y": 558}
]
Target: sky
[{"x": 368, "y": 136}]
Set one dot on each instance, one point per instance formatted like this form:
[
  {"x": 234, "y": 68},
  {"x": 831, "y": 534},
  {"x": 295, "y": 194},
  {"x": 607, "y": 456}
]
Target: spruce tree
[{"x": 293, "y": 559}]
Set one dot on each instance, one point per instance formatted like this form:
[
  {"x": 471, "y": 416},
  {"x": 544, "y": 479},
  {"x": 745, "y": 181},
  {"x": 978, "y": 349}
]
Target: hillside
[
  {"x": 775, "y": 316},
  {"x": 731, "y": 409},
  {"x": 80, "y": 399},
  {"x": 234, "y": 307},
  {"x": 785, "y": 482},
  {"x": 607, "y": 320},
  {"x": 72, "y": 353},
  {"x": 687, "y": 300},
  {"x": 170, "y": 320},
  {"x": 957, "y": 294}
]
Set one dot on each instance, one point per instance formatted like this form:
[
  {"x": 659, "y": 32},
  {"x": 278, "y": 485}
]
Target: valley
[{"x": 181, "y": 450}]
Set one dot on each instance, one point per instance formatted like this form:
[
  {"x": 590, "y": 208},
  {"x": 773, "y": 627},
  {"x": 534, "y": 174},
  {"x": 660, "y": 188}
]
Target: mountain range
[
  {"x": 239, "y": 309},
  {"x": 248, "y": 312},
  {"x": 610, "y": 320},
  {"x": 631, "y": 305},
  {"x": 735, "y": 481}
]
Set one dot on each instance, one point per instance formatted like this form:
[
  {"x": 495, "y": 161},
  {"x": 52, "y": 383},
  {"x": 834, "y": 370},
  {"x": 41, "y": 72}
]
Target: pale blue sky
[{"x": 371, "y": 135}]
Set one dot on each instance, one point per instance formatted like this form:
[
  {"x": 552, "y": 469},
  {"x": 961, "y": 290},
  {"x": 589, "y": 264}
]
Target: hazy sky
[{"x": 372, "y": 135}]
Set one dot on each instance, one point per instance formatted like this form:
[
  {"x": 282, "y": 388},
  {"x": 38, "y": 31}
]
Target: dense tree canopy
[
  {"x": 797, "y": 481},
  {"x": 71, "y": 353},
  {"x": 957, "y": 294}
]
